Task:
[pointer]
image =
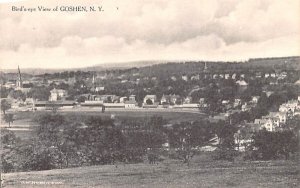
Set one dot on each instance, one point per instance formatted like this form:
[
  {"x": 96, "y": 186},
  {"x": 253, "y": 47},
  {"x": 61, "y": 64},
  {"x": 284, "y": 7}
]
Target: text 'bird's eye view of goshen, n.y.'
[{"x": 150, "y": 93}]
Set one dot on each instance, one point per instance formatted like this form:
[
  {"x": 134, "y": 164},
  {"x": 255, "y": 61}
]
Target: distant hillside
[
  {"x": 255, "y": 63},
  {"x": 289, "y": 62}
]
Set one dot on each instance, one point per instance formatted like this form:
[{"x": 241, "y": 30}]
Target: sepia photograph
[{"x": 150, "y": 93}]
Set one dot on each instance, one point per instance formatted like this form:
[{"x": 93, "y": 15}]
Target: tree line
[{"x": 62, "y": 142}]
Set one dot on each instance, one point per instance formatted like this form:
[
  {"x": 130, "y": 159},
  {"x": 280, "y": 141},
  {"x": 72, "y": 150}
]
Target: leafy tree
[
  {"x": 9, "y": 118},
  {"x": 49, "y": 129},
  {"x": 149, "y": 102},
  {"x": 225, "y": 133},
  {"x": 4, "y": 92},
  {"x": 17, "y": 94},
  {"x": 187, "y": 135},
  {"x": 9, "y": 156},
  {"x": 5, "y": 105},
  {"x": 273, "y": 145},
  {"x": 39, "y": 93},
  {"x": 104, "y": 140},
  {"x": 8, "y": 138},
  {"x": 81, "y": 99}
]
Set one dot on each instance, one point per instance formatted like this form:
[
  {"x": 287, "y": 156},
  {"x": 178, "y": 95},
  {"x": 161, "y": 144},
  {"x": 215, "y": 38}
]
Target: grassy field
[
  {"x": 170, "y": 173},
  {"x": 24, "y": 121},
  {"x": 172, "y": 116}
]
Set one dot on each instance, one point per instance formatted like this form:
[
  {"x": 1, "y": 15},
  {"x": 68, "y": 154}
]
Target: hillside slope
[{"x": 166, "y": 174}]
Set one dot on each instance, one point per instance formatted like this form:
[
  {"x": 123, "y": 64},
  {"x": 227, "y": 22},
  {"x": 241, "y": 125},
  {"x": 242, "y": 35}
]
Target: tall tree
[
  {"x": 5, "y": 105},
  {"x": 9, "y": 118}
]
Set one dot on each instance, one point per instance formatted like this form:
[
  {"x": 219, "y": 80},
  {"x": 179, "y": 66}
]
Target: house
[
  {"x": 50, "y": 105},
  {"x": 215, "y": 76},
  {"x": 165, "y": 99},
  {"x": 297, "y": 82},
  {"x": 151, "y": 98},
  {"x": 269, "y": 125},
  {"x": 242, "y": 83},
  {"x": 132, "y": 98},
  {"x": 184, "y": 77},
  {"x": 273, "y": 75},
  {"x": 258, "y": 75},
  {"x": 123, "y": 99},
  {"x": 99, "y": 88},
  {"x": 233, "y": 76},
  {"x": 267, "y": 75},
  {"x": 202, "y": 100},
  {"x": 245, "y": 107},
  {"x": 195, "y": 77},
  {"x": 281, "y": 116},
  {"x": 243, "y": 137},
  {"x": 237, "y": 102},
  {"x": 219, "y": 117},
  {"x": 269, "y": 93},
  {"x": 130, "y": 104},
  {"x": 10, "y": 84},
  {"x": 137, "y": 81},
  {"x": 114, "y": 105},
  {"x": 173, "y": 78},
  {"x": 265, "y": 123},
  {"x": 255, "y": 99},
  {"x": 225, "y": 102},
  {"x": 227, "y": 76},
  {"x": 57, "y": 94},
  {"x": 187, "y": 100},
  {"x": 290, "y": 106},
  {"x": 282, "y": 75},
  {"x": 71, "y": 80},
  {"x": 202, "y": 103},
  {"x": 190, "y": 106},
  {"x": 29, "y": 102},
  {"x": 175, "y": 99}
]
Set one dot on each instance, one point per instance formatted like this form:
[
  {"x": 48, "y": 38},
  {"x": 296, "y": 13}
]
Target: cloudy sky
[{"x": 130, "y": 30}]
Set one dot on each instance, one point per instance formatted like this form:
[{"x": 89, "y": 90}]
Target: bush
[{"x": 224, "y": 154}]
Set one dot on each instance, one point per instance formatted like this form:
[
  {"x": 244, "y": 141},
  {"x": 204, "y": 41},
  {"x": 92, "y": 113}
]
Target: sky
[{"x": 133, "y": 30}]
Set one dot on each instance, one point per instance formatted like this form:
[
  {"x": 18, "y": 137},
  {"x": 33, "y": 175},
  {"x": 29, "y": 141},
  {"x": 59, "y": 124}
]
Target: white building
[
  {"x": 57, "y": 94},
  {"x": 184, "y": 77},
  {"x": 130, "y": 104},
  {"x": 255, "y": 99},
  {"x": 153, "y": 98}
]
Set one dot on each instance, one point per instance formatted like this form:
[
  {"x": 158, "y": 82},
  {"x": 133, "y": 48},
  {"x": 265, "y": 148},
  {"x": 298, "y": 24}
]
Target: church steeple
[
  {"x": 93, "y": 80},
  {"x": 205, "y": 67},
  {"x": 19, "y": 81}
]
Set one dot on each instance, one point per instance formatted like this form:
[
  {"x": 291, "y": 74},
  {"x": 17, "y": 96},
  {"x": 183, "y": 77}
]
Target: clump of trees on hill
[{"x": 62, "y": 142}]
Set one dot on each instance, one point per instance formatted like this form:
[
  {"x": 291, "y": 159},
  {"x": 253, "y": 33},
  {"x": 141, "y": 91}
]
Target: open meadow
[
  {"x": 169, "y": 173},
  {"x": 24, "y": 121}
]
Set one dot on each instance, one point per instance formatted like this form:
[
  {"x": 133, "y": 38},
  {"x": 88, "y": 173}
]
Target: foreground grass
[{"x": 166, "y": 174}]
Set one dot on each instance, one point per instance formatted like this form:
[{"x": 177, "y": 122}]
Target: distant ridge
[{"x": 293, "y": 61}]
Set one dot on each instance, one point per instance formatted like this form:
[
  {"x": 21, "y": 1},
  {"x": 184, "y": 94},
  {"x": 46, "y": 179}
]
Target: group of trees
[
  {"x": 61, "y": 142},
  {"x": 274, "y": 145}
]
